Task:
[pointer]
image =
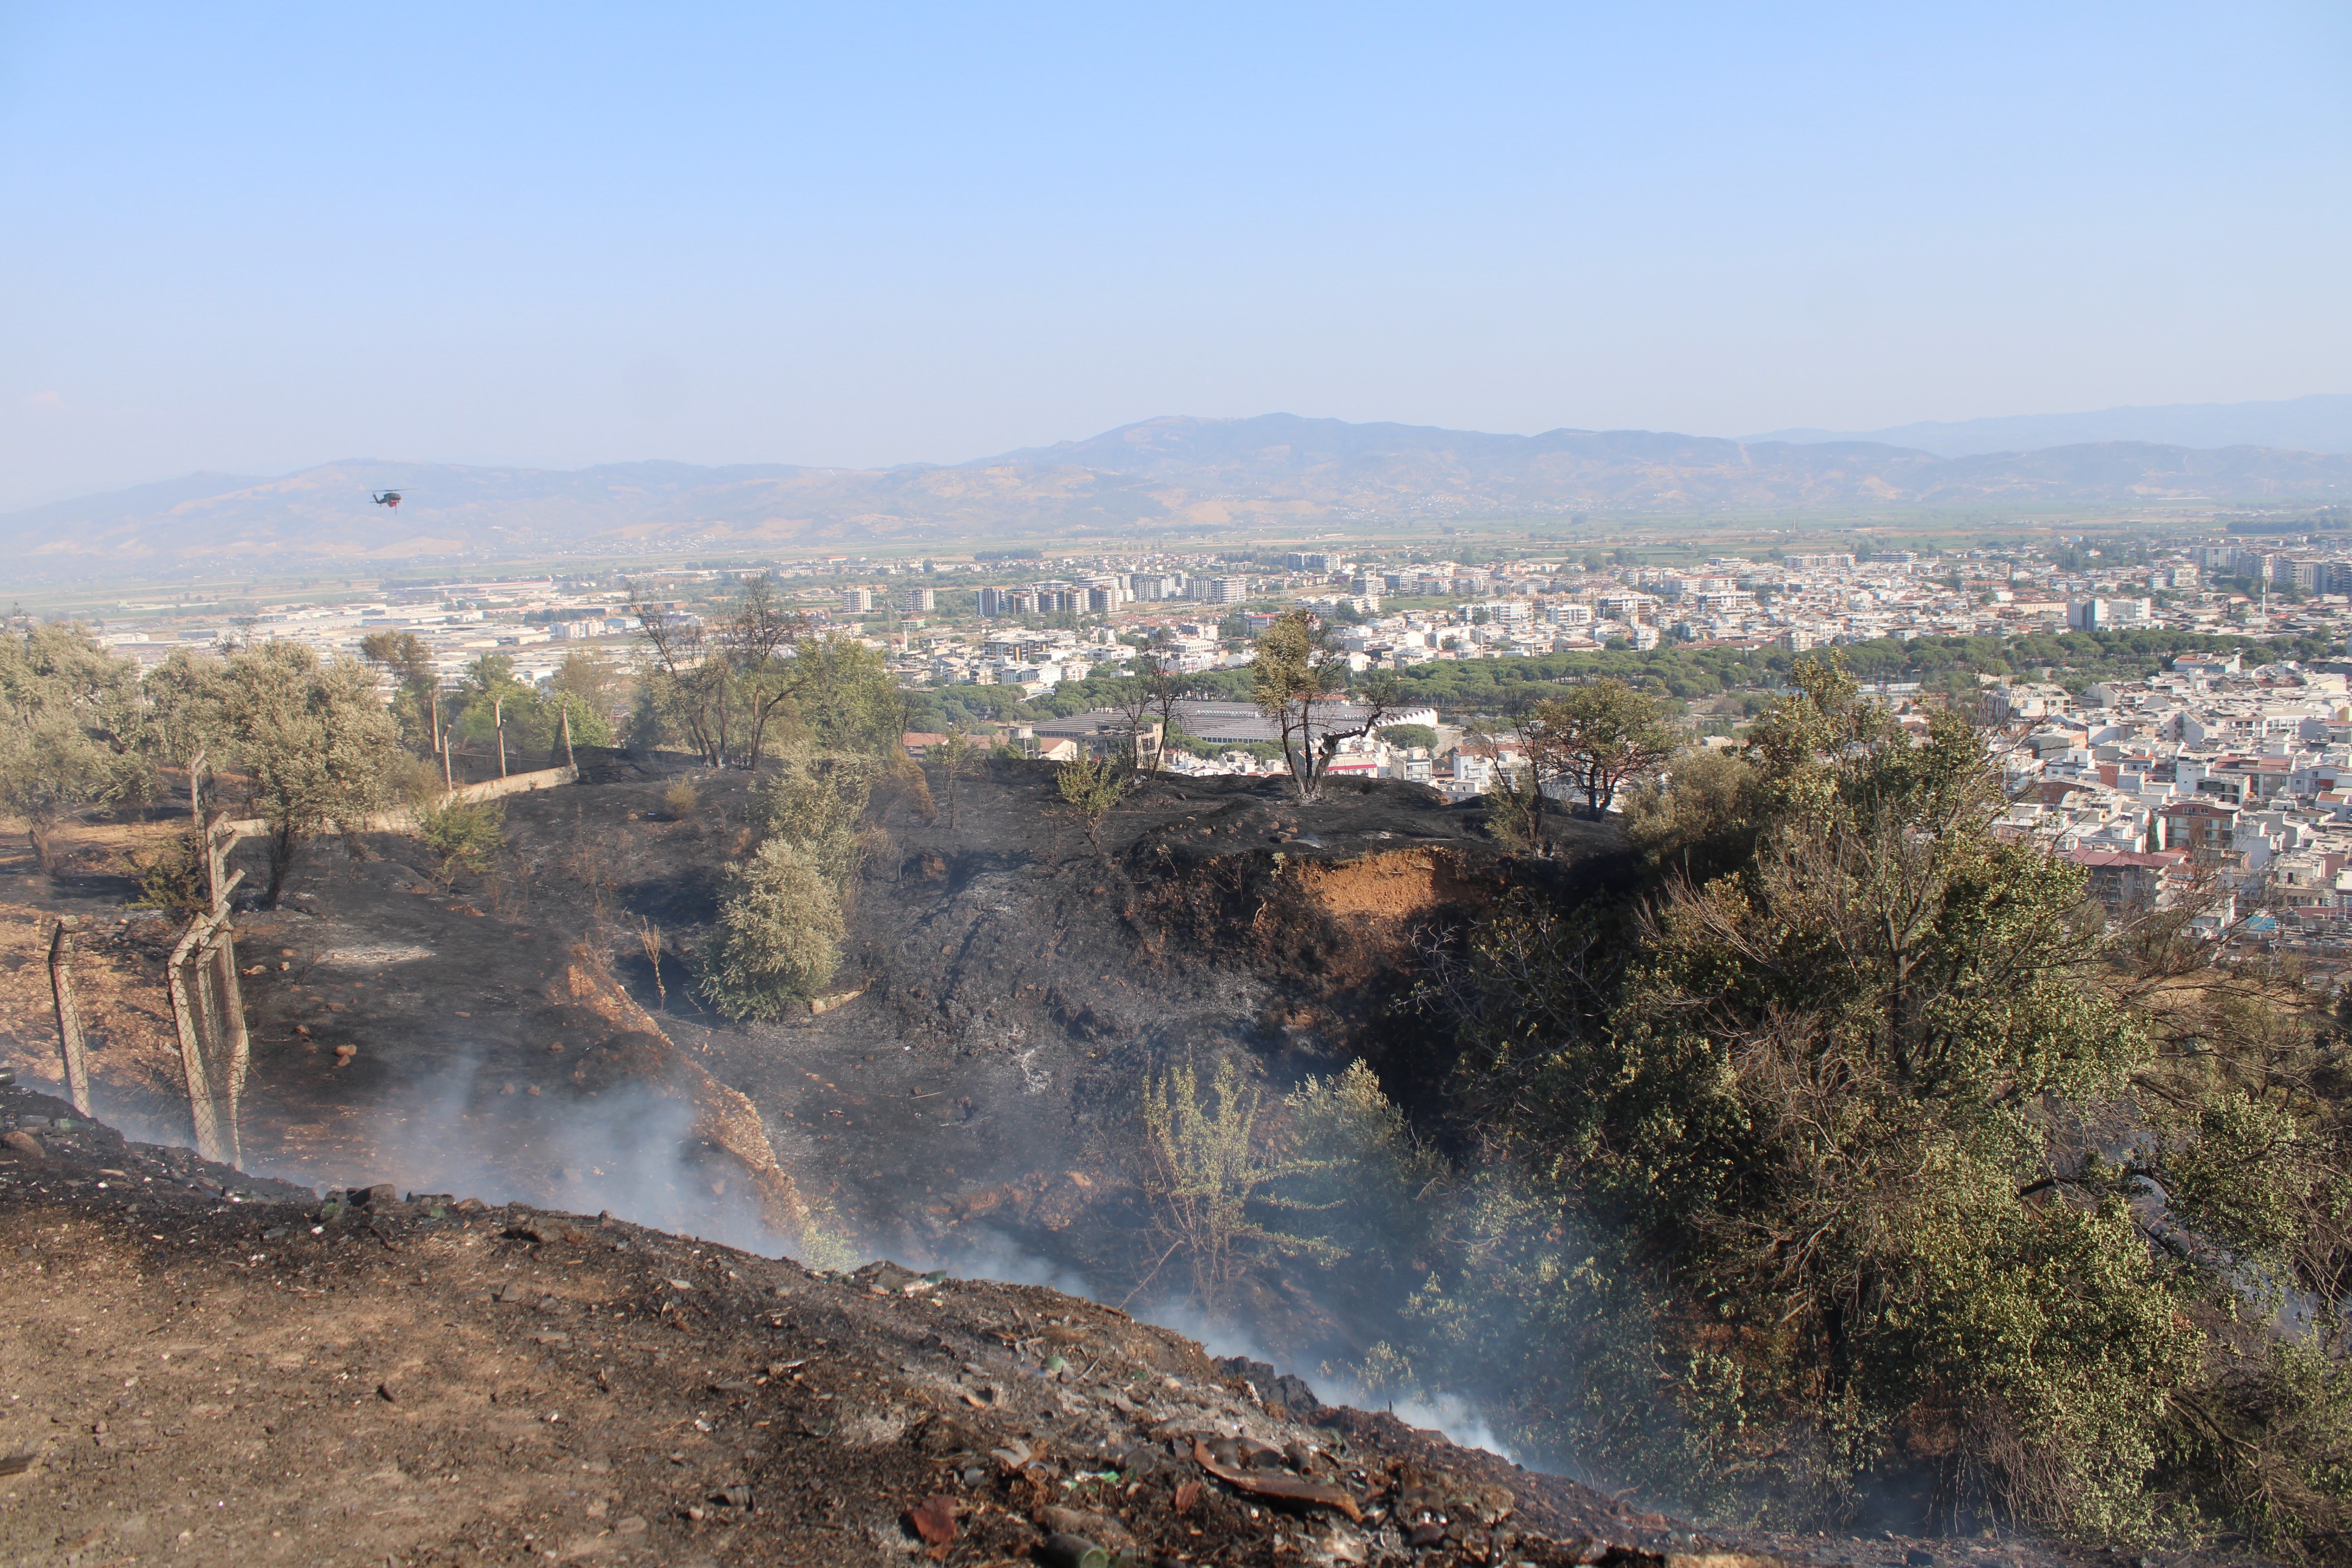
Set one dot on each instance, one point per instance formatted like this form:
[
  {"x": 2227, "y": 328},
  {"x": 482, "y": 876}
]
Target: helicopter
[{"x": 385, "y": 498}]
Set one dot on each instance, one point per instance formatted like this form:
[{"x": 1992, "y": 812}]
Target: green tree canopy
[
  {"x": 416, "y": 681},
  {"x": 71, "y": 728},
  {"x": 1824, "y": 1122},
  {"x": 1595, "y": 738},
  {"x": 1299, "y": 680},
  {"x": 313, "y": 739}
]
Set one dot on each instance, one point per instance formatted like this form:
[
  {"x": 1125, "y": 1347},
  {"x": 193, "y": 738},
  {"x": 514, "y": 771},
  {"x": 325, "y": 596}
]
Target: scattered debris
[
  {"x": 1096, "y": 1526},
  {"x": 933, "y": 1519},
  {"x": 1278, "y": 1488},
  {"x": 641, "y": 1410},
  {"x": 1070, "y": 1552},
  {"x": 543, "y": 1228}
]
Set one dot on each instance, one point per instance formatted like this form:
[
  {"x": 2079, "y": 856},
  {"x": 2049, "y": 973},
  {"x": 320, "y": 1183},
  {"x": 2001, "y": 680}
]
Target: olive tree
[
  {"x": 417, "y": 680},
  {"x": 815, "y": 801},
  {"x": 312, "y": 738},
  {"x": 50, "y": 773},
  {"x": 781, "y": 919},
  {"x": 71, "y": 737},
  {"x": 182, "y": 710}
]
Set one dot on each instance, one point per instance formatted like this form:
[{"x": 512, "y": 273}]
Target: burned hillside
[
  {"x": 1348, "y": 1088},
  {"x": 207, "y": 1367},
  {"x": 968, "y": 1094}
]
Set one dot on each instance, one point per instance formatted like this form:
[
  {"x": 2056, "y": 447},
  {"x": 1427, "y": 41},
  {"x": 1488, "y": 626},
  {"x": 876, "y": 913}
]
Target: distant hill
[
  {"x": 2316, "y": 423},
  {"x": 1161, "y": 474}
]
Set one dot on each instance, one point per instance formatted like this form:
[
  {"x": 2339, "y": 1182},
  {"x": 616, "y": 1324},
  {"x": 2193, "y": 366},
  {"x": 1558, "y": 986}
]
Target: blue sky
[{"x": 253, "y": 237}]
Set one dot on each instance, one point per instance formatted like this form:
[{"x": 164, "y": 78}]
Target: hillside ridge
[
  {"x": 1169, "y": 475},
  {"x": 225, "y": 1370},
  {"x": 2319, "y": 423}
]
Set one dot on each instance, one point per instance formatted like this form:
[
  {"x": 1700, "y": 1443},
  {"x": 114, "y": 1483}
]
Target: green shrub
[
  {"x": 679, "y": 800},
  {"x": 779, "y": 930},
  {"x": 1211, "y": 1179},
  {"x": 1091, "y": 787},
  {"x": 173, "y": 877},
  {"x": 1381, "y": 1192},
  {"x": 463, "y": 835},
  {"x": 415, "y": 783},
  {"x": 816, "y": 802}
]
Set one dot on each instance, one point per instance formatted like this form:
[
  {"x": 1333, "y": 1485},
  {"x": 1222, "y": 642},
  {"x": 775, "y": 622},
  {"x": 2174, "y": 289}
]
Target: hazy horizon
[
  {"x": 258, "y": 240},
  {"x": 391, "y": 466}
]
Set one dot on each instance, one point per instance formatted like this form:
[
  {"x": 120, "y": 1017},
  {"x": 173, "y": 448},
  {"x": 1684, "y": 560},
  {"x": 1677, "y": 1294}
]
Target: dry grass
[{"x": 126, "y": 1010}]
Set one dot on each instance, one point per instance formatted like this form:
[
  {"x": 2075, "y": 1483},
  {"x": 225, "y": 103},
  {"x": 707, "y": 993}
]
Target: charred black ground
[
  {"x": 969, "y": 1104},
  {"x": 968, "y": 1101},
  {"x": 1009, "y": 981}
]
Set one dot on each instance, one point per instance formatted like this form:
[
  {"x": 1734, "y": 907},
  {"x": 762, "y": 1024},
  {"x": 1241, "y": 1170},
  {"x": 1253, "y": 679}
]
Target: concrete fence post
[
  {"x": 203, "y": 1112},
  {"x": 210, "y": 1017},
  {"x": 232, "y": 1046},
  {"x": 69, "y": 1041}
]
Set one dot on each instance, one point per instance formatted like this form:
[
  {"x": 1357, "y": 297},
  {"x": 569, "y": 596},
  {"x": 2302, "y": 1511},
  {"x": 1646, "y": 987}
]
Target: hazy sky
[{"x": 253, "y": 237}]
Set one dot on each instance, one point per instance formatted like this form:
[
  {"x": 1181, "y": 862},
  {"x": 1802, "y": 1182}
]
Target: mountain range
[
  {"x": 2318, "y": 424},
  {"x": 1161, "y": 476}
]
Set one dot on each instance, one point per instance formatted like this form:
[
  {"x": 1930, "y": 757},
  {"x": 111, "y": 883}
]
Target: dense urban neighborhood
[
  {"x": 2173, "y": 716},
  {"x": 1506, "y": 606},
  {"x": 953, "y": 623}
]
